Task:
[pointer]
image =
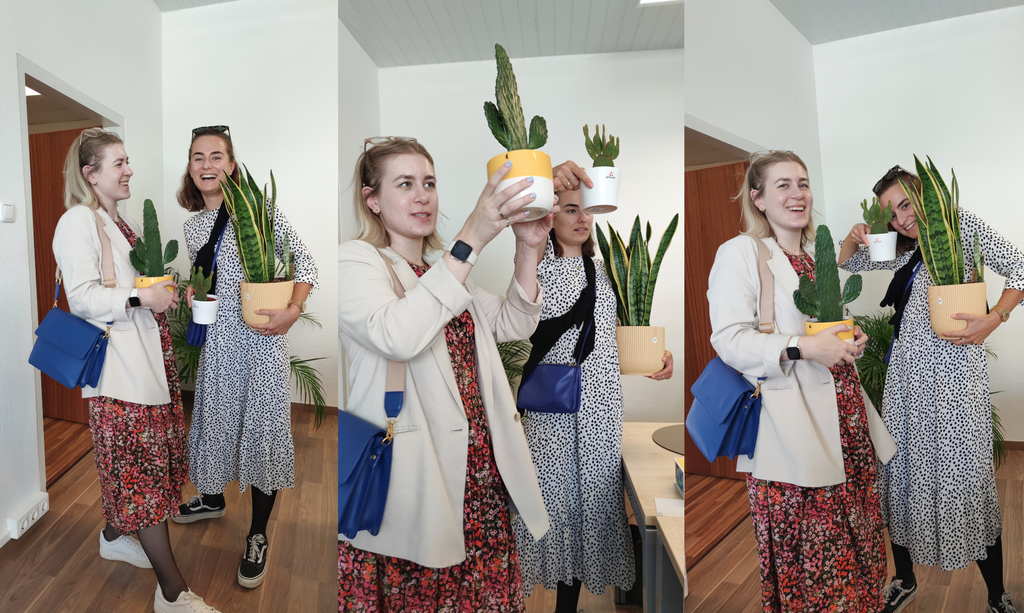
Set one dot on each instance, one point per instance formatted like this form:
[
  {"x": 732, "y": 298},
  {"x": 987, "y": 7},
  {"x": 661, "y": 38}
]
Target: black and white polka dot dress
[
  {"x": 939, "y": 494},
  {"x": 241, "y": 423},
  {"x": 578, "y": 456}
]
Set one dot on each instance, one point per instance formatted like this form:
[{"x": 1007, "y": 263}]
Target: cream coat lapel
[
  {"x": 117, "y": 240},
  {"x": 440, "y": 345},
  {"x": 785, "y": 276}
]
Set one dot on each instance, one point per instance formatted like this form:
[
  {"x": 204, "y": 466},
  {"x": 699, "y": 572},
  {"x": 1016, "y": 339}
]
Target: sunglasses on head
[
  {"x": 894, "y": 172},
  {"x": 381, "y": 140},
  {"x": 206, "y": 130}
]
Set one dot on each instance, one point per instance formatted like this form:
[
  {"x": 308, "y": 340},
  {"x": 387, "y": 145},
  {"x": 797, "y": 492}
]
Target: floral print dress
[
  {"x": 489, "y": 579},
  {"x": 821, "y": 549},
  {"x": 140, "y": 449}
]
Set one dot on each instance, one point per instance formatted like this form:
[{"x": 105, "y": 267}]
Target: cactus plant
[
  {"x": 602, "y": 150},
  {"x": 631, "y": 272},
  {"x": 146, "y": 255},
  {"x": 877, "y": 216},
  {"x": 820, "y": 299},
  {"x": 252, "y": 217},
  {"x": 506, "y": 117},
  {"x": 200, "y": 283},
  {"x": 938, "y": 221}
]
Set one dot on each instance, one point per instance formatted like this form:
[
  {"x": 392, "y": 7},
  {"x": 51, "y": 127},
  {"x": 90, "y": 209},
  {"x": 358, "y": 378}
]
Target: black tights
[
  {"x": 262, "y": 505},
  {"x": 991, "y": 568},
  {"x": 568, "y": 596},
  {"x": 157, "y": 544}
]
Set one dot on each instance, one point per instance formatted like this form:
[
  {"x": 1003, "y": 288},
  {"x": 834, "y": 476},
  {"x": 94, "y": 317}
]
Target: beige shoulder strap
[
  {"x": 767, "y": 289},
  {"x": 396, "y": 370},
  {"x": 106, "y": 255}
]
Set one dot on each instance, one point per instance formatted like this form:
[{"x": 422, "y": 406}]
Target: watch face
[
  {"x": 461, "y": 251},
  {"x": 793, "y": 353}
]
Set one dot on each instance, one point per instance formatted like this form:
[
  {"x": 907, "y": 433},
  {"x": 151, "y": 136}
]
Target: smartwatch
[
  {"x": 133, "y": 298},
  {"x": 462, "y": 252},
  {"x": 793, "y": 350}
]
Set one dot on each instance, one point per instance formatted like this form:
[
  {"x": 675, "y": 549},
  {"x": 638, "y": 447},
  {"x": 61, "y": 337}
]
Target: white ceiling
[
  {"x": 412, "y": 32},
  {"x": 174, "y": 5},
  {"x": 822, "y": 21}
]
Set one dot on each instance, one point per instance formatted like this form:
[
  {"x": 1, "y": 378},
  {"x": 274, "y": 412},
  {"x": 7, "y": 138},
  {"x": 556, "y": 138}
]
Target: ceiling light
[
  {"x": 646, "y": 3},
  {"x": 31, "y": 92}
]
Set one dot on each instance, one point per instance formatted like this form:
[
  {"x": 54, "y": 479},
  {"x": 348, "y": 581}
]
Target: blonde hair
[
  {"x": 369, "y": 173},
  {"x": 753, "y": 220},
  {"x": 87, "y": 150}
]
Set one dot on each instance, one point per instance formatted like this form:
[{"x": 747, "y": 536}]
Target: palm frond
[
  {"x": 513, "y": 356},
  {"x": 310, "y": 386}
]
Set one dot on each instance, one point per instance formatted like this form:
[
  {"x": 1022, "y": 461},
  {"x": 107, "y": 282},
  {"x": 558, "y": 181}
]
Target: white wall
[
  {"x": 949, "y": 89},
  {"x": 266, "y": 69},
  {"x": 638, "y": 96},
  {"x": 110, "y": 52}
]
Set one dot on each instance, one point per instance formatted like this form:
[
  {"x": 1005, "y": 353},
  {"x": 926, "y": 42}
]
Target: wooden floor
[
  {"x": 56, "y": 567},
  {"x": 714, "y": 507},
  {"x": 543, "y": 601},
  {"x": 727, "y": 580},
  {"x": 65, "y": 442}
]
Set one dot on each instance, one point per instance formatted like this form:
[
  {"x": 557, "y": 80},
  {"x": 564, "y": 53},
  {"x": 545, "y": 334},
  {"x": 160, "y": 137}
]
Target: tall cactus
[
  {"x": 877, "y": 216},
  {"x": 602, "y": 150},
  {"x": 146, "y": 256},
  {"x": 821, "y": 298},
  {"x": 938, "y": 223},
  {"x": 506, "y": 119}
]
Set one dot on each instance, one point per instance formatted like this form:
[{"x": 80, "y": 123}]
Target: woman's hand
[
  {"x": 828, "y": 349},
  {"x": 568, "y": 175},
  {"x": 157, "y": 298},
  {"x": 534, "y": 233},
  {"x": 495, "y": 211},
  {"x": 859, "y": 234},
  {"x": 664, "y": 373},
  {"x": 189, "y": 292},
  {"x": 281, "y": 320},
  {"x": 977, "y": 330}
]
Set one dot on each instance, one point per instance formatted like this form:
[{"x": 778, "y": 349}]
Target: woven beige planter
[
  {"x": 944, "y": 301},
  {"x": 641, "y": 349},
  {"x": 256, "y": 296}
]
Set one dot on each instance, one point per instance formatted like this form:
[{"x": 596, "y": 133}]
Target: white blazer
[
  {"x": 798, "y": 439},
  {"x": 423, "y": 516},
  {"x": 133, "y": 370}
]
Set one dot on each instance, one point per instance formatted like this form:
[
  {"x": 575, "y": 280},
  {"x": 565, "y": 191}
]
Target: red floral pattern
[
  {"x": 140, "y": 449},
  {"x": 489, "y": 580},
  {"x": 821, "y": 548}
]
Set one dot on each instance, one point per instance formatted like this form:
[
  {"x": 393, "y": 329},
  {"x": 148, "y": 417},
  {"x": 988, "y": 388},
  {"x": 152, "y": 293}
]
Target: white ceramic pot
[
  {"x": 882, "y": 247},
  {"x": 604, "y": 196},
  {"x": 205, "y": 312}
]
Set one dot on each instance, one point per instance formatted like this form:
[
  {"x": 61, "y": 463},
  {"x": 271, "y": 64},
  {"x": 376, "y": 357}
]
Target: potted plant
[
  {"x": 633, "y": 276},
  {"x": 820, "y": 299},
  {"x": 604, "y": 196},
  {"x": 268, "y": 282},
  {"x": 149, "y": 256},
  {"x": 509, "y": 127},
  {"x": 204, "y": 305},
  {"x": 881, "y": 240},
  {"x": 938, "y": 222}
]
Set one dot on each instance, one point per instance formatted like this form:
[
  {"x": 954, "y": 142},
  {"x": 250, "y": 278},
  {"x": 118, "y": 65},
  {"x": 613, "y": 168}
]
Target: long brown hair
[
  {"x": 189, "y": 196},
  {"x": 753, "y": 220},
  {"x": 87, "y": 150},
  {"x": 903, "y": 243}
]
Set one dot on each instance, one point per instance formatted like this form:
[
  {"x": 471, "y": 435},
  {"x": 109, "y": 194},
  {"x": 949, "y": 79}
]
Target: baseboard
[
  {"x": 1013, "y": 445},
  {"x": 5, "y": 537}
]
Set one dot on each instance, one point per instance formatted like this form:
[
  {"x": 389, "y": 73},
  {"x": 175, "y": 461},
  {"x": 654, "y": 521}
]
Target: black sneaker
[
  {"x": 897, "y": 597},
  {"x": 195, "y": 509},
  {"x": 253, "y": 568},
  {"x": 1003, "y": 606}
]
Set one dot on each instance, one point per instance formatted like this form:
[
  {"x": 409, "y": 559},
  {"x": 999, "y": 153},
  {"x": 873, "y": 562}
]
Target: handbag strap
[
  {"x": 394, "y": 384},
  {"x": 767, "y": 289},
  {"x": 579, "y": 356}
]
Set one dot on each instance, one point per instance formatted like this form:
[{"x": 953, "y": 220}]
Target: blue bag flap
[
  {"x": 719, "y": 377},
  {"x": 355, "y": 435},
  {"x": 74, "y": 336},
  {"x": 551, "y": 388}
]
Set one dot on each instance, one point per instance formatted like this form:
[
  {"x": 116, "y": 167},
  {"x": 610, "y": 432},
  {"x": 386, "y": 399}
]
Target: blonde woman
[{"x": 135, "y": 412}]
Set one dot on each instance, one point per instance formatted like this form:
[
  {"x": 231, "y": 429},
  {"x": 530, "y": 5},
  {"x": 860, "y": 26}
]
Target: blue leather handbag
[
  {"x": 726, "y": 412},
  {"x": 553, "y": 388},
  {"x": 69, "y": 349}
]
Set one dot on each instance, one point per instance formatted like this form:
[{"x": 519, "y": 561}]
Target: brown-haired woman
[
  {"x": 241, "y": 422},
  {"x": 939, "y": 491},
  {"x": 811, "y": 480},
  {"x": 459, "y": 454},
  {"x": 135, "y": 412}
]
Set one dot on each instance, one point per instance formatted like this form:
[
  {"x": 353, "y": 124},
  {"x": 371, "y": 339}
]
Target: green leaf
[
  {"x": 809, "y": 295},
  {"x": 170, "y": 252},
  {"x": 852, "y": 289},
  {"x": 803, "y": 304},
  {"x": 592, "y": 151},
  {"x": 636, "y": 284},
  {"x": 310, "y": 386},
  {"x": 620, "y": 273},
  {"x": 496, "y": 125},
  {"x": 666, "y": 239},
  {"x": 538, "y": 133},
  {"x": 506, "y": 93}
]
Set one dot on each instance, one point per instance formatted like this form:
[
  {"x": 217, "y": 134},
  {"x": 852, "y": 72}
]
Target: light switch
[{"x": 7, "y": 212}]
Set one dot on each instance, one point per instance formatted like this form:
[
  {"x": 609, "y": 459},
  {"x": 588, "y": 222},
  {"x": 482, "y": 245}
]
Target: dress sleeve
[
  {"x": 191, "y": 230},
  {"x": 305, "y": 267},
  {"x": 860, "y": 261},
  {"x": 1001, "y": 255}
]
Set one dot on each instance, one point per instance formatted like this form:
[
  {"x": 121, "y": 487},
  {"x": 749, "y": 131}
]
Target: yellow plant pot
[
  {"x": 944, "y": 301},
  {"x": 811, "y": 328},
  {"x": 256, "y": 296},
  {"x": 141, "y": 282},
  {"x": 528, "y": 163},
  {"x": 641, "y": 349}
]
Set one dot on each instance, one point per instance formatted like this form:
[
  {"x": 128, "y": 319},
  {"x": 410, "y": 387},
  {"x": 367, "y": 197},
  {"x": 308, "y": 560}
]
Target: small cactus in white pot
[
  {"x": 604, "y": 196},
  {"x": 204, "y": 304}
]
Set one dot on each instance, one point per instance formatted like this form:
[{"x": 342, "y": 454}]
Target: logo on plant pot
[{"x": 610, "y": 175}]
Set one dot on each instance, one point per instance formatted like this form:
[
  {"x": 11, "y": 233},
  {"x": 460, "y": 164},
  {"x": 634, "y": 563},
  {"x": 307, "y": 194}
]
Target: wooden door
[
  {"x": 711, "y": 218},
  {"x": 46, "y": 159}
]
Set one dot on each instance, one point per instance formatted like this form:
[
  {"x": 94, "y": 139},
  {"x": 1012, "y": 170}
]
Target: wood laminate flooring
[
  {"x": 714, "y": 507},
  {"x": 65, "y": 442},
  {"x": 56, "y": 567},
  {"x": 728, "y": 580},
  {"x": 543, "y": 601}
]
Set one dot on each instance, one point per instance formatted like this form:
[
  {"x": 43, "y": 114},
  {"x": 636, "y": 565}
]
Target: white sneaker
[
  {"x": 124, "y": 549},
  {"x": 187, "y": 602}
]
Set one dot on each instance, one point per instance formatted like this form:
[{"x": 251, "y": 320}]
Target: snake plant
[
  {"x": 149, "y": 256},
  {"x": 602, "y": 150},
  {"x": 631, "y": 271},
  {"x": 820, "y": 298},
  {"x": 252, "y": 217},
  {"x": 938, "y": 221},
  {"x": 506, "y": 117}
]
